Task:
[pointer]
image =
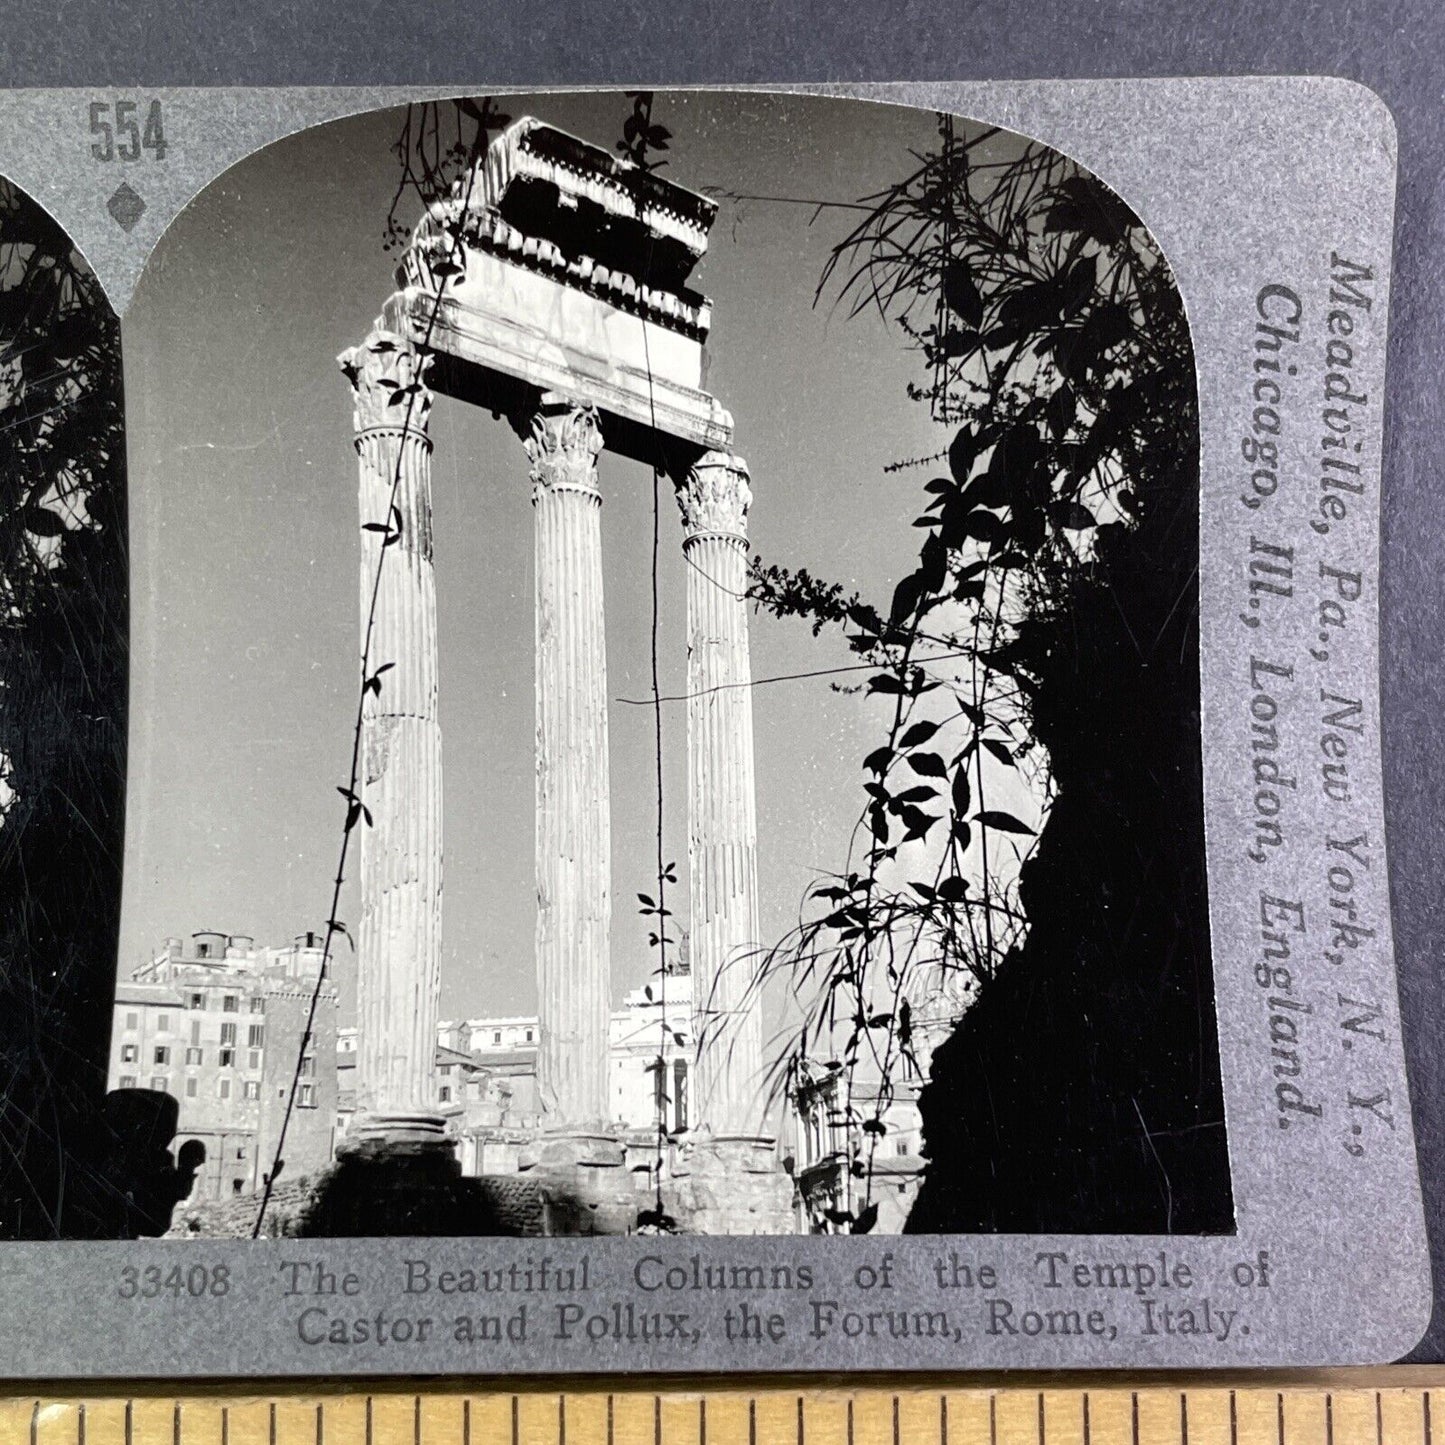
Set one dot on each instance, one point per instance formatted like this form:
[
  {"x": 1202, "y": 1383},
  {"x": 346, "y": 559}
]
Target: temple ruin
[{"x": 551, "y": 288}]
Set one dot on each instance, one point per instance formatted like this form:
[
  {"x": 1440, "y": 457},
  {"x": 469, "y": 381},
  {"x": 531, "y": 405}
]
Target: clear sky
[{"x": 244, "y": 539}]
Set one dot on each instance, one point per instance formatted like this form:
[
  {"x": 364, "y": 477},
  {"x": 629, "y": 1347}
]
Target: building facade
[
  {"x": 218, "y": 1023},
  {"x": 485, "y": 1076}
]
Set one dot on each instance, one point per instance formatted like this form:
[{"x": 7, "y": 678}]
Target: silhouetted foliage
[
  {"x": 1045, "y": 648},
  {"x": 63, "y": 680}
]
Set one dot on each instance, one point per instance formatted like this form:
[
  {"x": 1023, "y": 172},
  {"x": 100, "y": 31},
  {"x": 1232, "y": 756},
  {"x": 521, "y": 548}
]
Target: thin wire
[
  {"x": 784, "y": 677},
  {"x": 660, "y": 1086}
]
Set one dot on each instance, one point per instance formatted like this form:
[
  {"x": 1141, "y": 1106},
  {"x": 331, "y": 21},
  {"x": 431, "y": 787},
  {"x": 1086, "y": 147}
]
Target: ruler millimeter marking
[{"x": 1106, "y": 1414}]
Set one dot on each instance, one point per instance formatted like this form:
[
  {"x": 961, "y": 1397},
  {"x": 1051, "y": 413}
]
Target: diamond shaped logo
[{"x": 125, "y": 207}]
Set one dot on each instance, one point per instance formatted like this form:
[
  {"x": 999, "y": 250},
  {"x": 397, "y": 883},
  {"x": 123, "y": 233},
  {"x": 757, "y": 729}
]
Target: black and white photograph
[{"x": 621, "y": 663}]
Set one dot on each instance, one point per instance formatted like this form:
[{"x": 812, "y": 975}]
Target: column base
[
  {"x": 729, "y": 1184},
  {"x": 371, "y": 1132},
  {"x": 585, "y": 1188}
]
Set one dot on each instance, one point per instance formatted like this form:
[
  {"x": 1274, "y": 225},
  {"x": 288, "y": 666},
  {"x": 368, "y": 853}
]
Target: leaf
[
  {"x": 43, "y": 522},
  {"x": 959, "y": 341},
  {"x": 962, "y": 797},
  {"x": 916, "y": 795},
  {"x": 1088, "y": 206},
  {"x": 838, "y": 1216},
  {"x": 920, "y": 732},
  {"x": 928, "y": 765},
  {"x": 875, "y": 1127},
  {"x": 962, "y": 453},
  {"x": 1077, "y": 284},
  {"x": 953, "y": 889},
  {"x": 1060, "y": 410},
  {"x": 985, "y": 526},
  {"x": 1001, "y": 751},
  {"x": 1073, "y": 516},
  {"x": 915, "y": 821},
  {"x": 1003, "y": 822},
  {"x": 885, "y": 682},
  {"x": 878, "y": 760},
  {"x": 646, "y": 901},
  {"x": 865, "y": 1221},
  {"x": 961, "y": 293},
  {"x": 906, "y": 597}
]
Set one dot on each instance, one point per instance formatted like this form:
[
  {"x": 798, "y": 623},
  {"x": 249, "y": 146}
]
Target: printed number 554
[{"x": 121, "y": 137}]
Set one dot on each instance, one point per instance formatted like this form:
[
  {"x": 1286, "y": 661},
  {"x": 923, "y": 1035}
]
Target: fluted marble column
[
  {"x": 398, "y": 946},
  {"x": 722, "y": 813},
  {"x": 574, "y": 855}
]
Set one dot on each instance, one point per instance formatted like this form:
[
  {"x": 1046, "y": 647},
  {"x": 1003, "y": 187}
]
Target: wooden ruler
[{"x": 1378, "y": 1407}]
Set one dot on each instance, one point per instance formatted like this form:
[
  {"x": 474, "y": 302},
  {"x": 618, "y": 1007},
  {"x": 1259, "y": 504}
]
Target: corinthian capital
[
  {"x": 716, "y": 496},
  {"x": 563, "y": 445},
  {"x": 388, "y": 382}
]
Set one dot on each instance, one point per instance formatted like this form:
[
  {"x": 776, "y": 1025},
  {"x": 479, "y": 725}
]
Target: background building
[
  {"x": 218, "y": 1023},
  {"x": 486, "y": 1075}
]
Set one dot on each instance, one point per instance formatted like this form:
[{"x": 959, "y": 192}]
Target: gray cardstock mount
[{"x": 1244, "y": 183}]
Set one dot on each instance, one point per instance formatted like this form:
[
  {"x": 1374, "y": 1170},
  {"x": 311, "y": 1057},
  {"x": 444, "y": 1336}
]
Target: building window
[
  {"x": 256, "y": 1035},
  {"x": 190, "y": 1088},
  {"x": 258, "y": 1005},
  {"x": 308, "y": 1066},
  {"x": 529, "y": 1036},
  {"x": 240, "y": 1151},
  {"x": 132, "y": 1021},
  {"x": 228, "y": 1058},
  {"x": 158, "y": 1084},
  {"x": 253, "y": 1089},
  {"x": 228, "y": 1033},
  {"x": 195, "y": 1031},
  {"x": 230, "y": 1004},
  {"x": 679, "y": 1095},
  {"x": 128, "y": 1053},
  {"x": 307, "y": 1097},
  {"x": 163, "y": 1054},
  {"x": 195, "y": 1056},
  {"x": 223, "y": 1089},
  {"x": 902, "y": 1148},
  {"x": 127, "y": 1081},
  {"x": 446, "y": 1071},
  {"x": 198, "y": 1000},
  {"x": 497, "y": 1037},
  {"x": 446, "y": 1095},
  {"x": 236, "y": 1185},
  {"x": 253, "y": 1059},
  {"x": 163, "y": 1023}
]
